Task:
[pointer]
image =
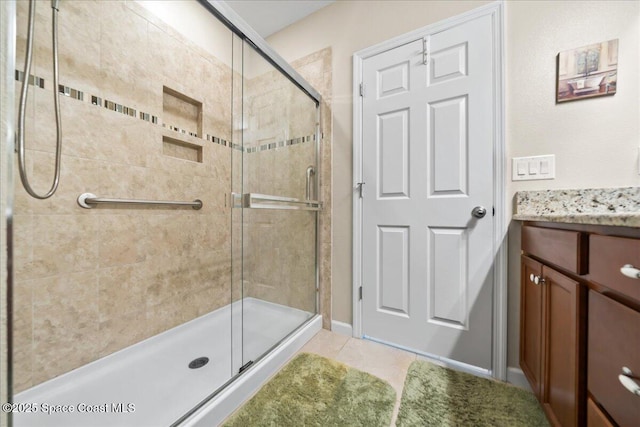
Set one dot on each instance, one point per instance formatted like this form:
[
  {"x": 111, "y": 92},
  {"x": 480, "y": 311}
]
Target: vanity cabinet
[
  {"x": 553, "y": 340},
  {"x": 580, "y": 322}
]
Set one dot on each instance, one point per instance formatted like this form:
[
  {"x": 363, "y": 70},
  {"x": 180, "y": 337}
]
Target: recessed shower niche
[
  {"x": 181, "y": 112},
  {"x": 181, "y": 150}
]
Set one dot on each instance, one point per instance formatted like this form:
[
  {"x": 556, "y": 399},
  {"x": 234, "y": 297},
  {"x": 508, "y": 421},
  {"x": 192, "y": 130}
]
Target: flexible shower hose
[{"x": 23, "y": 103}]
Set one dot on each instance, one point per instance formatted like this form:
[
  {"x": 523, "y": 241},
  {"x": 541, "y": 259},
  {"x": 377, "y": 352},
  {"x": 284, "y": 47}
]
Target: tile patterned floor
[{"x": 387, "y": 363}]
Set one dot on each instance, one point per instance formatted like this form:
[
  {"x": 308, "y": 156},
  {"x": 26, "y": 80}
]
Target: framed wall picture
[{"x": 587, "y": 71}]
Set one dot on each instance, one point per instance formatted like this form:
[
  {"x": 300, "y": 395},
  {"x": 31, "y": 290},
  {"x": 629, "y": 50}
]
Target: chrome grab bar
[
  {"x": 88, "y": 200},
  {"x": 265, "y": 201}
]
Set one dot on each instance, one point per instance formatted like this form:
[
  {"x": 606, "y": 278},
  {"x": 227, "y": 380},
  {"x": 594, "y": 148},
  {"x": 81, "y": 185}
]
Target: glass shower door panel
[
  {"x": 279, "y": 176},
  {"x": 280, "y": 277}
]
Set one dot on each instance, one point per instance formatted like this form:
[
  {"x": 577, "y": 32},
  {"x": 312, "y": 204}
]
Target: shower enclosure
[{"x": 180, "y": 247}]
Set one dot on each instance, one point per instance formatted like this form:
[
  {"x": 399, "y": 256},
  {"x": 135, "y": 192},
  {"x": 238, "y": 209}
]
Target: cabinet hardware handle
[
  {"x": 626, "y": 379},
  {"x": 532, "y": 277},
  {"x": 630, "y": 271},
  {"x": 538, "y": 280}
]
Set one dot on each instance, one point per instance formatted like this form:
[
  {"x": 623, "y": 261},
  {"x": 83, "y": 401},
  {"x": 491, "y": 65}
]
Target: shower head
[{"x": 54, "y": 5}]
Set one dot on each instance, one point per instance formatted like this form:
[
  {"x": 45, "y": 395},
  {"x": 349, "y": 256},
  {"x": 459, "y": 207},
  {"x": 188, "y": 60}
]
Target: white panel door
[{"x": 427, "y": 162}]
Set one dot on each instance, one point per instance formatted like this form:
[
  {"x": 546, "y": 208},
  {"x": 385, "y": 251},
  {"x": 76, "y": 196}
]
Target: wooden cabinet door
[
  {"x": 561, "y": 388},
  {"x": 531, "y": 312}
]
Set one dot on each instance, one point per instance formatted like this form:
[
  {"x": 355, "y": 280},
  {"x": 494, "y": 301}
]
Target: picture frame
[{"x": 587, "y": 71}]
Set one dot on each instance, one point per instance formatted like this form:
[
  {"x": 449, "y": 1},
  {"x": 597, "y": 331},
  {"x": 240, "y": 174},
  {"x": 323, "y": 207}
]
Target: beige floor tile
[
  {"x": 326, "y": 343},
  {"x": 388, "y": 363},
  {"x": 385, "y": 362}
]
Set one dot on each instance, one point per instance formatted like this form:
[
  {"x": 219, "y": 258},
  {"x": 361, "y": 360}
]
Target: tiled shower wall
[
  {"x": 280, "y": 245},
  {"x": 91, "y": 282}
]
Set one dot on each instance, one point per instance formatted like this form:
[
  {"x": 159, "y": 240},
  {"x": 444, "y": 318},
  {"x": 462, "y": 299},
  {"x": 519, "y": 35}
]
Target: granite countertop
[{"x": 601, "y": 206}]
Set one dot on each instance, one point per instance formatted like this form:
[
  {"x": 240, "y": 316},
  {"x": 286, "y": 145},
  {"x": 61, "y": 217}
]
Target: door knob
[{"x": 479, "y": 212}]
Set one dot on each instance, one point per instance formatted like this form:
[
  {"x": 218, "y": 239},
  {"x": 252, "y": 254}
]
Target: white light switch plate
[{"x": 536, "y": 167}]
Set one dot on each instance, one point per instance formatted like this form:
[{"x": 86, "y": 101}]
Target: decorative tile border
[
  {"x": 132, "y": 112},
  {"x": 33, "y": 80},
  {"x": 177, "y": 129},
  {"x": 70, "y": 92}
]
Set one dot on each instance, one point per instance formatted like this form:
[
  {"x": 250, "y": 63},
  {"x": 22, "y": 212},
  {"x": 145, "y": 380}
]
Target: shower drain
[{"x": 198, "y": 363}]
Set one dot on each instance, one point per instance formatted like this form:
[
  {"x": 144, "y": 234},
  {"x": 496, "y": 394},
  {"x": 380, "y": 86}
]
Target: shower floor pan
[{"x": 150, "y": 383}]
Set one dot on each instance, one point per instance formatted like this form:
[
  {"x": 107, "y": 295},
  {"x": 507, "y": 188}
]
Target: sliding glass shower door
[{"x": 278, "y": 200}]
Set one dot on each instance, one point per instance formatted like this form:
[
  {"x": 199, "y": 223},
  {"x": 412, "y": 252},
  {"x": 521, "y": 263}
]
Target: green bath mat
[
  {"x": 315, "y": 391},
  {"x": 436, "y": 396}
]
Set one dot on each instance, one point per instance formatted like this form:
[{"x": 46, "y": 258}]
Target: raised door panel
[
  {"x": 562, "y": 348},
  {"x": 448, "y": 143},
  {"x": 393, "y": 277},
  {"x": 393, "y": 149},
  {"x": 531, "y": 299}
]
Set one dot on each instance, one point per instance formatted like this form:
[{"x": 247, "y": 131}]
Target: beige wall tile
[{"x": 65, "y": 323}]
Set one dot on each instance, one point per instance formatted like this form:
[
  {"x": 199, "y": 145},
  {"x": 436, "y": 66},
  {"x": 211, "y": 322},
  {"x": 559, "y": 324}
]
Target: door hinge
[
  {"x": 425, "y": 50},
  {"x": 360, "y": 293},
  {"x": 362, "y": 89}
]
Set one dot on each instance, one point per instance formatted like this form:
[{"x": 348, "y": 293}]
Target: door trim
[{"x": 499, "y": 327}]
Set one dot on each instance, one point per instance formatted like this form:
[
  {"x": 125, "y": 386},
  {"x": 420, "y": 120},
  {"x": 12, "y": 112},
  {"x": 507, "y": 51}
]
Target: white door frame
[{"x": 496, "y": 11}]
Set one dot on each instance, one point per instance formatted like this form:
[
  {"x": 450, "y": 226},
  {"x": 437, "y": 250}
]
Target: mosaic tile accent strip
[
  {"x": 217, "y": 140},
  {"x": 119, "y": 108},
  {"x": 606, "y": 206},
  {"x": 148, "y": 118},
  {"x": 179, "y": 130},
  {"x": 70, "y": 92},
  {"x": 132, "y": 112},
  {"x": 33, "y": 80}
]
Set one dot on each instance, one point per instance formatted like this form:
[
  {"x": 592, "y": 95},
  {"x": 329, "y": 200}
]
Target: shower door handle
[{"x": 311, "y": 172}]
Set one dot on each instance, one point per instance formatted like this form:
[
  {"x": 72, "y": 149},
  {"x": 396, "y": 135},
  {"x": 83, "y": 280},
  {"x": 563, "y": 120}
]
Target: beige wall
[{"x": 595, "y": 141}]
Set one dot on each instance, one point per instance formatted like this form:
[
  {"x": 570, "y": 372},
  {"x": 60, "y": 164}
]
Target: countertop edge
[{"x": 614, "y": 219}]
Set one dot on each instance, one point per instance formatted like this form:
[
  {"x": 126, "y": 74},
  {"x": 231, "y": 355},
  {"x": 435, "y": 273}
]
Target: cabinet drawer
[
  {"x": 595, "y": 417},
  {"x": 606, "y": 255},
  {"x": 559, "y": 247},
  {"x": 614, "y": 342}
]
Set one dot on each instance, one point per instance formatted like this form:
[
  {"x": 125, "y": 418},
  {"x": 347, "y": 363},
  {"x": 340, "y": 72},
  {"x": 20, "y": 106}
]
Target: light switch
[
  {"x": 533, "y": 168},
  {"x": 544, "y": 167}
]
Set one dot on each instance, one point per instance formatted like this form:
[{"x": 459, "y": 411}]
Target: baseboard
[
  {"x": 341, "y": 328},
  {"x": 516, "y": 377}
]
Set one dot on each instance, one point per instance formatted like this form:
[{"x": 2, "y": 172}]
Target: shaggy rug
[
  {"x": 314, "y": 391},
  {"x": 436, "y": 396}
]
